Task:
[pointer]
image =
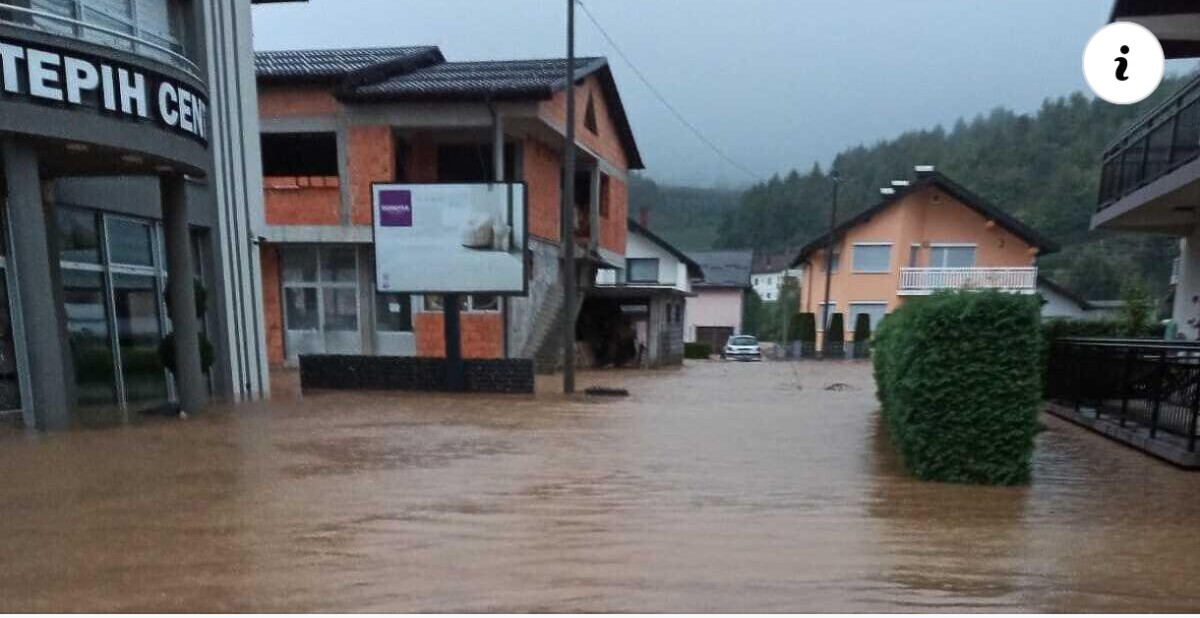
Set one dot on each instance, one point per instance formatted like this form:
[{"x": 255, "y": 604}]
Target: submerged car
[{"x": 742, "y": 347}]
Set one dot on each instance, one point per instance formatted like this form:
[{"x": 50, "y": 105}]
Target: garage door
[{"x": 714, "y": 335}]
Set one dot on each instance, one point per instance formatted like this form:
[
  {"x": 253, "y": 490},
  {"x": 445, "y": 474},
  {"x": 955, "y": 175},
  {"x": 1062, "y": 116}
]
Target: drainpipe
[{"x": 498, "y": 176}]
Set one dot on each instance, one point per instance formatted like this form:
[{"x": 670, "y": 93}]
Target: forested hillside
[
  {"x": 1042, "y": 167},
  {"x": 688, "y": 217}
]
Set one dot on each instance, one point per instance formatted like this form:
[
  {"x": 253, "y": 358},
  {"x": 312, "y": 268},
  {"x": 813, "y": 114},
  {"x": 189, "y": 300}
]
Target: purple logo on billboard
[{"x": 395, "y": 208}]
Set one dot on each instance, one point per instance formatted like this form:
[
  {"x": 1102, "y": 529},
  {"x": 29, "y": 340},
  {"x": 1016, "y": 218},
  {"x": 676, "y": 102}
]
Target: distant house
[
  {"x": 715, "y": 312},
  {"x": 926, "y": 235},
  {"x": 648, "y": 296},
  {"x": 768, "y": 272},
  {"x": 1060, "y": 302}
]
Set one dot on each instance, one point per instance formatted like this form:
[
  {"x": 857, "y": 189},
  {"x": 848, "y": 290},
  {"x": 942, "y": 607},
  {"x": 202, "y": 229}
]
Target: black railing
[
  {"x": 1154, "y": 384},
  {"x": 1160, "y": 142}
]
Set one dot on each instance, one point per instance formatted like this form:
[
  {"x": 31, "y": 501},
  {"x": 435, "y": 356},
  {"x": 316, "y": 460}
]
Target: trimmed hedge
[
  {"x": 862, "y": 335},
  {"x": 697, "y": 350},
  {"x": 806, "y": 331},
  {"x": 958, "y": 379}
]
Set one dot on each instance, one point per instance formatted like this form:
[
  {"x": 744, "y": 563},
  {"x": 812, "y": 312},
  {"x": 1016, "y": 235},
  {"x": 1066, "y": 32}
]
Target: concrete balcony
[{"x": 924, "y": 281}]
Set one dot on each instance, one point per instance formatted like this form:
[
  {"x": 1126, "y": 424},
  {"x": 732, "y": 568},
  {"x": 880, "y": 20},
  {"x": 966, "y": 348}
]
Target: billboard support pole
[
  {"x": 452, "y": 333},
  {"x": 568, "y": 214}
]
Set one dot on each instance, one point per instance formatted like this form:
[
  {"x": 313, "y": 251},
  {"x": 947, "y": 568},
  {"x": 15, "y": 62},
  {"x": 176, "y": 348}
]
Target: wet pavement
[{"x": 738, "y": 487}]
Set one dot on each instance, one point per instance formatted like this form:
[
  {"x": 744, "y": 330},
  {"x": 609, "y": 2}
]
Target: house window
[
  {"x": 872, "y": 258},
  {"x": 876, "y": 310},
  {"x": 393, "y": 312},
  {"x": 642, "y": 270},
  {"x": 472, "y": 162},
  {"x": 828, "y": 316},
  {"x": 466, "y": 302},
  {"x": 299, "y": 154},
  {"x": 952, "y": 256},
  {"x": 605, "y": 195}
]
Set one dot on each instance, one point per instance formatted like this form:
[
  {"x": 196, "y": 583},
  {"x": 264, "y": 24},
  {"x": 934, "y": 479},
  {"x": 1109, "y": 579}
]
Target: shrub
[
  {"x": 957, "y": 376},
  {"x": 835, "y": 337},
  {"x": 862, "y": 335},
  {"x": 806, "y": 333},
  {"x": 697, "y": 350}
]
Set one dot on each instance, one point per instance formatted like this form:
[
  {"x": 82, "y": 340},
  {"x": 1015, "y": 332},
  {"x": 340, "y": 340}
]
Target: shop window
[
  {"x": 642, "y": 270},
  {"x": 299, "y": 154},
  {"x": 130, "y": 241},
  {"x": 78, "y": 236}
]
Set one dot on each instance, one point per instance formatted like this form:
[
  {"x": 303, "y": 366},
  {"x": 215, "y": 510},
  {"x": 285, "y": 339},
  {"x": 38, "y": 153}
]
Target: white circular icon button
[{"x": 1123, "y": 63}]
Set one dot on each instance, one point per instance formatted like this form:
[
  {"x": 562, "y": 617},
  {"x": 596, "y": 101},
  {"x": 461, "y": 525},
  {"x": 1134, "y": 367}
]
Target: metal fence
[
  {"x": 1154, "y": 384},
  {"x": 1160, "y": 142}
]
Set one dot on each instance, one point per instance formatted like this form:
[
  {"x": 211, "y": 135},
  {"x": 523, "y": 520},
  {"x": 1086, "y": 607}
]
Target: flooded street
[{"x": 733, "y": 487}]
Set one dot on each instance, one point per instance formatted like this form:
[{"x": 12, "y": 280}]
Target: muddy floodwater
[{"x": 720, "y": 486}]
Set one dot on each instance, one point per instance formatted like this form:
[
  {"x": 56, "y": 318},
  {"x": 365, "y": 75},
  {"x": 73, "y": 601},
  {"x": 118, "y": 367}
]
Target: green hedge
[
  {"x": 806, "y": 327},
  {"x": 958, "y": 379},
  {"x": 698, "y": 349},
  {"x": 837, "y": 328}
]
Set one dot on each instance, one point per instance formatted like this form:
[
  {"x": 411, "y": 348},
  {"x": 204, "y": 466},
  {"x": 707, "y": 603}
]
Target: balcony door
[{"x": 952, "y": 256}]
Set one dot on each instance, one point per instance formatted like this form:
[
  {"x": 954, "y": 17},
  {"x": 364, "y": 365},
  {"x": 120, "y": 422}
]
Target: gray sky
[{"x": 777, "y": 83}]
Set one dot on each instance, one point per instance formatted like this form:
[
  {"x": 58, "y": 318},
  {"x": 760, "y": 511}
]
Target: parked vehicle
[{"x": 742, "y": 347}]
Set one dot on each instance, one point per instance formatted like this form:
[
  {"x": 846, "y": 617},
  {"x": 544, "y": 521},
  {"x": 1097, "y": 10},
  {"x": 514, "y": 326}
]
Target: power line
[{"x": 662, "y": 99}]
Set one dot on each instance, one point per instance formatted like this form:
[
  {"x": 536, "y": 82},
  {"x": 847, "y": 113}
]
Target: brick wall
[
  {"x": 283, "y": 101},
  {"x": 370, "y": 158},
  {"x": 272, "y": 303},
  {"x": 306, "y": 200},
  {"x": 541, "y": 167},
  {"x": 482, "y": 335},
  {"x": 605, "y": 141}
]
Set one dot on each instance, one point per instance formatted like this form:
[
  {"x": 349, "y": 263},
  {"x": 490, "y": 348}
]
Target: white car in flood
[{"x": 742, "y": 347}]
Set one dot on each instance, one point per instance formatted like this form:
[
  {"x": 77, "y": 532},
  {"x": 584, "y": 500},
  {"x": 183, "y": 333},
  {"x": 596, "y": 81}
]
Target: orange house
[
  {"x": 335, "y": 121},
  {"x": 927, "y": 235}
]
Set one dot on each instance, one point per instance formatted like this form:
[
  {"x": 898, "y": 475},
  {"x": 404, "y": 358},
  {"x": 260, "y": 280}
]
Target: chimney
[
  {"x": 899, "y": 183},
  {"x": 644, "y": 218},
  {"x": 887, "y": 191},
  {"x": 924, "y": 170}
]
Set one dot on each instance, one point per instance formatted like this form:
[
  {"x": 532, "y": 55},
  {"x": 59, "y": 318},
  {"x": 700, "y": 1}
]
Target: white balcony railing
[{"x": 915, "y": 281}]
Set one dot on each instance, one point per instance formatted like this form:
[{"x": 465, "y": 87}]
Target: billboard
[{"x": 450, "y": 238}]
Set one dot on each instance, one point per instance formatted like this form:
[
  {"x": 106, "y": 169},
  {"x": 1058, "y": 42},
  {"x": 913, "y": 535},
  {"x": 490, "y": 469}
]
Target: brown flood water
[{"x": 730, "y": 487}]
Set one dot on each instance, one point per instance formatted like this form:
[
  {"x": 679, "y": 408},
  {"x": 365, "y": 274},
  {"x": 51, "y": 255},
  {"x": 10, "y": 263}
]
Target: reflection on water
[{"x": 718, "y": 487}]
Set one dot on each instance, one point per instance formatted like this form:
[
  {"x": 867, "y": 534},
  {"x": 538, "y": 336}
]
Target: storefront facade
[{"x": 121, "y": 180}]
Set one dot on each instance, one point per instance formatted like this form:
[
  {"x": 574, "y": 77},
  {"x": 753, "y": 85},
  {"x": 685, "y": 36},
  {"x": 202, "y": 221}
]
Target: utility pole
[
  {"x": 568, "y": 215},
  {"x": 829, "y": 264}
]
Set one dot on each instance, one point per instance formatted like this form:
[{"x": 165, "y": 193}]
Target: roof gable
[
  {"x": 694, "y": 269},
  {"x": 955, "y": 190}
]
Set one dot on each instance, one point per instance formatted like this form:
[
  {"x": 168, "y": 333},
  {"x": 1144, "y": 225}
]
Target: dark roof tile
[
  {"x": 332, "y": 64},
  {"x": 724, "y": 269}
]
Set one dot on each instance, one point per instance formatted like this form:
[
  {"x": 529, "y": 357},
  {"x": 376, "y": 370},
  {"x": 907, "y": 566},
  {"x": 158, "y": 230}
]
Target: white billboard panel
[{"x": 450, "y": 238}]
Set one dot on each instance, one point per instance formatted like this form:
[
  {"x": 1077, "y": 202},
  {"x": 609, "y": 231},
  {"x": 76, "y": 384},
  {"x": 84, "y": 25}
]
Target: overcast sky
[{"x": 777, "y": 84}]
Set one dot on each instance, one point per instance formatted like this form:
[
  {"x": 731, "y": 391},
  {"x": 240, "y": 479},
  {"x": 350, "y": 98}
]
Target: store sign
[
  {"x": 41, "y": 75},
  {"x": 445, "y": 238}
]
